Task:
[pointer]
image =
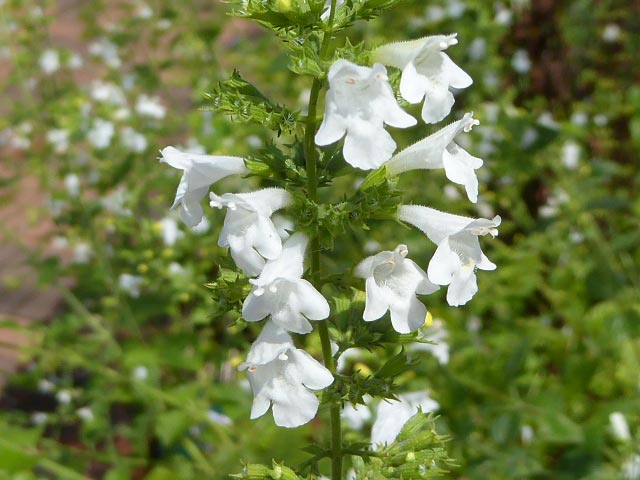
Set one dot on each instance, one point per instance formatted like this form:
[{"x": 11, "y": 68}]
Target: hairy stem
[{"x": 312, "y": 192}]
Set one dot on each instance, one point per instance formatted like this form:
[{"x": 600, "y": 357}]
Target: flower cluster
[{"x": 359, "y": 103}]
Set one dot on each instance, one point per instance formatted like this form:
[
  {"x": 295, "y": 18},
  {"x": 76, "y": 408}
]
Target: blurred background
[{"x": 118, "y": 349}]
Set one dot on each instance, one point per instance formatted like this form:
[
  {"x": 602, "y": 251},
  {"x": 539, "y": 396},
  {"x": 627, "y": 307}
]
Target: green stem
[{"x": 312, "y": 192}]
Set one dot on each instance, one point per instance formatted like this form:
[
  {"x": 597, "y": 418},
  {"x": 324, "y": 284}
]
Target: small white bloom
[
  {"x": 59, "y": 138},
  {"x": 280, "y": 291},
  {"x": 283, "y": 376},
  {"x": 356, "y": 416},
  {"x": 150, "y": 107},
  {"x": 219, "y": 418},
  {"x": 75, "y": 61},
  {"x": 631, "y": 468},
  {"x": 45, "y": 386},
  {"x": 527, "y": 434},
  {"x": 107, "y": 51},
  {"x": 441, "y": 151},
  {"x": 134, "y": 141},
  {"x": 101, "y": 133},
  {"x": 140, "y": 373},
  {"x": 170, "y": 231},
  {"x": 284, "y": 226},
  {"x": 458, "y": 253},
  {"x": 427, "y": 72},
  {"x": 248, "y": 230},
  {"x": 200, "y": 172},
  {"x": 107, "y": 92},
  {"x": 49, "y": 61},
  {"x": 570, "y": 154},
  {"x": 436, "y": 333},
  {"x": 611, "y": 33},
  {"x": 176, "y": 269},
  {"x": 359, "y": 102},
  {"x": 391, "y": 415},
  {"x": 521, "y": 62},
  {"x": 86, "y": 414},
  {"x": 619, "y": 427},
  {"x": 72, "y": 184},
  {"x": 392, "y": 282},
  {"x": 130, "y": 283},
  {"x": 64, "y": 397},
  {"x": 39, "y": 418}
]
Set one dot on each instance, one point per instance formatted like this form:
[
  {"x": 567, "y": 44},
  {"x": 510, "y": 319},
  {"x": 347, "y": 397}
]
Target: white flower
[
  {"x": 619, "y": 427},
  {"x": 130, "y": 283},
  {"x": 64, "y": 397},
  {"x": 200, "y": 172},
  {"x": 527, "y": 434},
  {"x": 441, "y": 151},
  {"x": 282, "y": 375},
  {"x": 170, "y": 231},
  {"x": 631, "y": 468},
  {"x": 356, "y": 416},
  {"x": 72, "y": 184},
  {"x": 49, "y": 61},
  {"x": 108, "y": 93},
  {"x": 521, "y": 62},
  {"x": 436, "y": 333},
  {"x": 150, "y": 107},
  {"x": 427, "y": 72},
  {"x": 140, "y": 373},
  {"x": 458, "y": 253},
  {"x": 86, "y": 414},
  {"x": 101, "y": 133},
  {"x": 39, "y": 418},
  {"x": 392, "y": 282},
  {"x": 280, "y": 291},
  {"x": 359, "y": 102},
  {"x": 59, "y": 138},
  {"x": 106, "y": 50},
  {"x": 391, "y": 415},
  {"x": 248, "y": 230},
  {"x": 219, "y": 418},
  {"x": 134, "y": 141}
]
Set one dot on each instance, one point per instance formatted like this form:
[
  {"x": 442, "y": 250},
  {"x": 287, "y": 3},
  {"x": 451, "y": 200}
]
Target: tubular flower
[
  {"x": 391, "y": 415},
  {"x": 359, "y": 102},
  {"x": 441, "y": 151},
  {"x": 200, "y": 172},
  {"x": 427, "y": 72},
  {"x": 392, "y": 282},
  {"x": 280, "y": 291},
  {"x": 248, "y": 230},
  {"x": 458, "y": 254},
  {"x": 283, "y": 376}
]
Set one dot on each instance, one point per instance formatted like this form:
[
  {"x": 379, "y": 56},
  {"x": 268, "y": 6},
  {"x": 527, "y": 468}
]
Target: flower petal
[
  {"x": 272, "y": 341},
  {"x": 443, "y": 265},
  {"x": 312, "y": 304},
  {"x": 456, "y": 77},
  {"x": 407, "y": 314},
  {"x": 438, "y": 102},
  {"x": 460, "y": 167},
  {"x": 376, "y": 304},
  {"x": 367, "y": 146},
  {"x": 413, "y": 86},
  {"x": 463, "y": 286}
]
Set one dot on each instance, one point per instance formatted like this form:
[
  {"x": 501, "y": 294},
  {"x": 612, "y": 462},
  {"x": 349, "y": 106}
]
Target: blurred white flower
[
  {"x": 631, "y": 468},
  {"x": 140, "y": 373},
  {"x": 130, "y": 284},
  {"x": 101, "y": 133},
  {"x": 359, "y": 103},
  {"x": 107, "y": 92},
  {"x": 611, "y": 32},
  {"x": 619, "y": 427},
  {"x": 59, "y": 139},
  {"x": 579, "y": 118},
  {"x": 107, "y": 51},
  {"x": 170, "y": 231},
  {"x": 72, "y": 184},
  {"x": 75, "y": 61},
  {"x": 458, "y": 254},
  {"x": 436, "y": 333},
  {"x": 283, "y": 376},
  {"x": 199, "y": 173},
  {"x": 45, "y": 386},
  {"x": 570, "y": 154},
  {"x": 527, "y": 434},
  {"x": 356, "y": 416},
  {"x": 521, "y": 62},
  {"x": 503, "y": 15},
  {"x": 391, "y": 415},
  {"x": 248, "y": 230},
  {"x": 64, "y": 397},
  {"x": 150, "y": 107},
  {"x": 392, "y": 282},
  {"x": 441, "y": 151},
  {"x": 49, "y": 61},
  {"x": 134, "y": 141},
  {"x": 427, "y": 72},
  {"x": 477, "y": 49},
  {"x": 176, "y": 269},
  {"x": 86, "y": 414},
  {"x": 39, "y": 418},
  {"x": 219, "y": 418},
  {"x": 143, "y": 11},
  {"x": 280, "y": 291}
]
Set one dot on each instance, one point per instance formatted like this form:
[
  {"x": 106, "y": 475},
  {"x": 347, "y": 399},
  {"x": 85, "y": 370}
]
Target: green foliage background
[{"x": 550, "y": 343}]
